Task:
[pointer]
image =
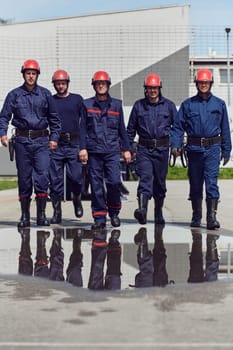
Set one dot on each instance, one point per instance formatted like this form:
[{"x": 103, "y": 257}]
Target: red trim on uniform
[
  {"x": 94, "y": 111},
  {"x": 42, "y": 262},
  {"x": 42, "y": 195},
  {"x": 114, "y": 249},
  {"x": 99, "y": 244},
  {"x": 96, "y": 213},
  {"x": 114, "y": 206},
  {"x": 99, "y": 111},
  {"x": 113, "y": 112},
  {"x": 22, "y": 257}
]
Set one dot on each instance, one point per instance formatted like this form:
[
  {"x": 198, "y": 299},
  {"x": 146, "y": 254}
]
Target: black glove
[
  {"x": 175, "y": 152},
  {"x": 225, "y": 160}
]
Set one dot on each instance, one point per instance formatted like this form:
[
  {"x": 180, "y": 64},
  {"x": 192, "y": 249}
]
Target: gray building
[{"x": 128, "y": 45}]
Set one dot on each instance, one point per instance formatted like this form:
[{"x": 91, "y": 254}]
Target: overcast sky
[{"x": 202, "y": 12}]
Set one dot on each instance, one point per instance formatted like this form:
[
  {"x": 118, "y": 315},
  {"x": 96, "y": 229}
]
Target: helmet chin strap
[
  {"x": 204, "y": 95},
  {"x": 102, "y": 97},
  {"x": 65, "y": 93}
]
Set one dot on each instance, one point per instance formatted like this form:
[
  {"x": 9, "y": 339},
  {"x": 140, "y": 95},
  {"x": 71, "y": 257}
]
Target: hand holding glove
[
  {"x": 175, "y": 152},
  {"x": 225, "y": 160}
]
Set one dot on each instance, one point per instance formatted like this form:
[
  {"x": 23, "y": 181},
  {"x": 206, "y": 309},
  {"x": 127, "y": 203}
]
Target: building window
[{"x": 223, "y": 76}]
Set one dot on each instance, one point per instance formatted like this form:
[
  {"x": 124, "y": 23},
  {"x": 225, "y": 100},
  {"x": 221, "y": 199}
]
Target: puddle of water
[{"x": 160, "y": 254}]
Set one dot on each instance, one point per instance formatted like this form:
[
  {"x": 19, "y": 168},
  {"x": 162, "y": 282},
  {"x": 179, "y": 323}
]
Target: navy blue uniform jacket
[
  {"x": 33, "y": 110},
  {"x": 103, "y": 131},
  {"x": 151, "y": 121},
  {"x": 202, "y": 118}
]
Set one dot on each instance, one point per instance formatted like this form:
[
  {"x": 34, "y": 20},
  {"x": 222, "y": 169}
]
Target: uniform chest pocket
[
  {"x": 163, "y": 116},
  {"x": 143, "y": 119},
  {"x": 192, "y": 115},
  {"x": 215, "y": 113},
  {"x": 41, "y": 106},
  {"x": 19, "y": 105},
  {"x": 112, "y": 122}
]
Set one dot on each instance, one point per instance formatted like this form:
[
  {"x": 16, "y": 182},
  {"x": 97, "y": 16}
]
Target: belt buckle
[
  {"x": 203, "y": 141},
  {"x": 29, "y": 134},
  {"x": 154, "y": 142}
]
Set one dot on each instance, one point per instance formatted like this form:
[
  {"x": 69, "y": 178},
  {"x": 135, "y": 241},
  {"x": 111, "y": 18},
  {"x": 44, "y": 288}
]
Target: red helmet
[
  {"x": 101, "y": 76},
  {"x": 204, "y": 75},
  {"x": 153, "y": 80},
  {"x": 60, "y": 74},
  {"x": 30, "y": 64}
]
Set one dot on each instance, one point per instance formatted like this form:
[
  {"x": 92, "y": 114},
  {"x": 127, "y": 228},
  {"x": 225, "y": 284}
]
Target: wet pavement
[{"x": 150, "y": 286}]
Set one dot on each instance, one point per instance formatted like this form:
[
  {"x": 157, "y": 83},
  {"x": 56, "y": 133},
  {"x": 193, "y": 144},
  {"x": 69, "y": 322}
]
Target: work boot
[
  {"x": 57, "y": 213},
  {"x": 140, "y": 239},
  {"x": 98, "y": 256},
  {"x": 212, "y": 204},
  {"x": 113, "y": 240},
  {"x": 56, "y": 257},
  {"x": 41, "y": 252},
  {"x": 141, "y": 213},
  {"x": 78, "y": 208},
  {"x": 160, "y": 276},
  {"x": 212, "y": 258},
  {"x": 158, "y": 213},
  {"x": 197, "y": 212},
  {"x": 144, "y": 278},
  {"x": 56, "y": 242},
  {"x": 25, "y": 209},
  {"x": 74, "y": 269},
  {"x": 196, "y": 272},
  {"x": 41, "y": 217},
  {"x": 115, "y": 220},
  {"x": 113, "y": 272},
  {"x": 25, "y": 260},
  {"x": 41, "y": 264},
  {"x": 98, "y": 225}
]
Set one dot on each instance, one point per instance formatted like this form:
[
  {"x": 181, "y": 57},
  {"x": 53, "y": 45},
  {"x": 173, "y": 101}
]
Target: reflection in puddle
[
  {"x": 52, "y": 266},
  {"x": 152, "y": 265},
  {"x": 112, "y": 259},
  {"x": 203, "y": 269}
]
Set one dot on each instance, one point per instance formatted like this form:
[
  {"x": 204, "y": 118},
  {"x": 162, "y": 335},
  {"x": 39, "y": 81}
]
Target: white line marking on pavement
[{"x": 116, "y": 345}]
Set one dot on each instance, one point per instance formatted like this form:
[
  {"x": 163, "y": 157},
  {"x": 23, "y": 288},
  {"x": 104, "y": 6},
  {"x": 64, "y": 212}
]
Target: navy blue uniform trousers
[
  {"x": 152, "y": 167},
  {"x": 104, "y": 166},
  {"x": 65, "y": 156},
  {"x": 32, "y": 162}
]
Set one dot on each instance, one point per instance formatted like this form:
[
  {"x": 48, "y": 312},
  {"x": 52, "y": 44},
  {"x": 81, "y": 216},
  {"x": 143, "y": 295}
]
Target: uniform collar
[
  {"x": 147, "y": 103},
  {"x": 108, "y": 101},
  {"x": 34, "y": 91},
  {"x": 201, "y": 99}
]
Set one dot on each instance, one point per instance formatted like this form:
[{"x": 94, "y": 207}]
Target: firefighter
[
  {"x": 151, "y": 118},
  {"x": 110, "y": 252},
  {"x": 68, "y": 107},
  {"x": 198, "y": 272},
  {"x": 34, "y": 115},
  {"x": 152, "y": 264},
  {"x": 204, "y": 119},
  {"x": 101, "y": 134}
]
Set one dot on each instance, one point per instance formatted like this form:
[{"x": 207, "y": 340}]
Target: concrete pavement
[{"x": 37, "y": 313}]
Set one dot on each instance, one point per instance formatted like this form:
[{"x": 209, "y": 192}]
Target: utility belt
[
  {"x": 154, "y": 143},
  {"x": 32, "y": 134},
  {"x": 68, "y": 136},
  {"x": 203, "y": 141}
]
